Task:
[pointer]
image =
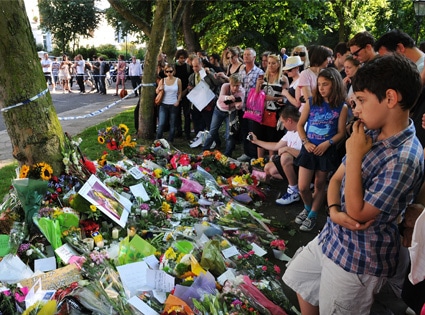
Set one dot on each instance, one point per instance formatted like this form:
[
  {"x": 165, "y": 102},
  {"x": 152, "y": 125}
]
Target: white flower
[{"x": 29, "y": 252}]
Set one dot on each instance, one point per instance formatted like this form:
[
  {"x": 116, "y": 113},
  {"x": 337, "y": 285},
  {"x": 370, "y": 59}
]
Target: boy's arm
[
  {"x": 272, "y": 146},
  {"x": 334, "y": 201},
  {"x": 357, "y": 146}
]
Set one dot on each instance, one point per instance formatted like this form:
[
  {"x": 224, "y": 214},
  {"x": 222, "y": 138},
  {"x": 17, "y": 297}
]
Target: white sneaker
[
  {"x": 196, "y": 142},
  {"x": 289, "y": 197},
  {"x": 212, "y": 147}
]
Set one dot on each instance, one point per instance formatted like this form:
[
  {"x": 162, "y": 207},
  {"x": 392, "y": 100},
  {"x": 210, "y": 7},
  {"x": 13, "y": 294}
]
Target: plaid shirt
[
  {"x": 249, "y": 80},
  {"x": 392, "y": 172}
]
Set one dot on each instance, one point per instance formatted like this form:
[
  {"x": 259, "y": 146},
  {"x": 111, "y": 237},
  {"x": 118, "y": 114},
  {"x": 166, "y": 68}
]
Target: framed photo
[{"x": 112, "y": 204}]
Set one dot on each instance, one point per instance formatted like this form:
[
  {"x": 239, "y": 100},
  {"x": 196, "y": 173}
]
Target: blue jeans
[
  {"x": 217, "y": 120},
  {"x": 167, "y": 113}
]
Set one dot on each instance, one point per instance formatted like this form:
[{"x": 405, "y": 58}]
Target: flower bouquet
[{"x": 278, "y": 246}]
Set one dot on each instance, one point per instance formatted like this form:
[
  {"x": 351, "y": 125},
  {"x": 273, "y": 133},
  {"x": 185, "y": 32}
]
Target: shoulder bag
[{"x": 160, "y": 95}]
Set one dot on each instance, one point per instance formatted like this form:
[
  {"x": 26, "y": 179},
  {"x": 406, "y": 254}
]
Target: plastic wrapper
[
  {"x": 51, "y": 230},
  {"x": 133, "y": 250},
  {"x": 259, "y": 298},
  {"x": 30, "y": 193},
  {"x": 203, "y": 284},
  {"x": 212, "y": 259}
]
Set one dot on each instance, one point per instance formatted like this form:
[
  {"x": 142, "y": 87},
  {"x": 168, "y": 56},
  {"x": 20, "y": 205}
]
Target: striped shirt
[{"x": 392, "y": 172}]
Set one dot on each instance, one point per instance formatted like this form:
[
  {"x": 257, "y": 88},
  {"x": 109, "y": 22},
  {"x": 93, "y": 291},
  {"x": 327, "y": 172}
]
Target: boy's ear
[{"x": 391, "y": 98}]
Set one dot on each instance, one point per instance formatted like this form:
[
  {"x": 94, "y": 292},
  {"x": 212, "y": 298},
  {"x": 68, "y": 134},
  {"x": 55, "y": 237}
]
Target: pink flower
[
  {"x": 278, "y": 244},
  {"x": 264, "y": 268},
  {"x": 277, "y": 269}
]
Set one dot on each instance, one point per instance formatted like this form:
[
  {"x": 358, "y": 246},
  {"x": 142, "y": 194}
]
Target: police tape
[
  {"x": 5, "y": 109},
  {"x": 103, "y": 109}
]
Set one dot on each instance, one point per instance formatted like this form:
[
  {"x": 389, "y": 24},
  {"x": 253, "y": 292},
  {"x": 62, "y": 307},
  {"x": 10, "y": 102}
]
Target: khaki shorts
[{"x": 321, "y": 282}]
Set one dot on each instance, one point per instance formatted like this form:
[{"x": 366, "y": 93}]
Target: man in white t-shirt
[
  {"x": 46, "y": 64},
  {"x": 288, "y": 148}
]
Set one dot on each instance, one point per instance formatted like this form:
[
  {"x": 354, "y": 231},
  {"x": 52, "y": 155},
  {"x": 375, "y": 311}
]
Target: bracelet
[
  {"x": 334, "y": 205},
  {"x": 304, "y": 141}
]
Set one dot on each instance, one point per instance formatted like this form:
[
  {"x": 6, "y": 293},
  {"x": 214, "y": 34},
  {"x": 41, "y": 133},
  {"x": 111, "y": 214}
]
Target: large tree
[
  {"x": 33, "y": 127},
  {"x": 68, "y": 20}
]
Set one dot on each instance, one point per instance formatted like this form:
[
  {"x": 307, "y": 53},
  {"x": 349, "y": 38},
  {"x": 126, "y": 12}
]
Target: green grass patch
[{"x": 7, "y": 173}]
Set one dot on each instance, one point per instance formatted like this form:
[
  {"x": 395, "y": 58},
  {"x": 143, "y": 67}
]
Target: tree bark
[
  {"x": 146, "y": 112},
  {"x": 190, "y": 39},
  {"x": 33, "y": 128}
]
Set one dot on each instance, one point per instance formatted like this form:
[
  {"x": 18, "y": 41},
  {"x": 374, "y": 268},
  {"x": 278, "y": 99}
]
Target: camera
[
  {"x": 249, "y": 137},
  {"x": 238, "y": 99}
]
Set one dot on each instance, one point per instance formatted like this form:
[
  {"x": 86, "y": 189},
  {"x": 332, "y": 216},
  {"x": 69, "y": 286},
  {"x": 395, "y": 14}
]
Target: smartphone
[{"x": 261, "y": 76}]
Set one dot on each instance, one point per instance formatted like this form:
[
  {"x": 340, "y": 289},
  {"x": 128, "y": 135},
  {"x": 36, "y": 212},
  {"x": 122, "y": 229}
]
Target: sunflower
[
  {"x": 101, "y": 139},
  {"x": 23, "y": 173},
  {"x": 46, "y": 171},
  {"x": 124, "y": 129}
]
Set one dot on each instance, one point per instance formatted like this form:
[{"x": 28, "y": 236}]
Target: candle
[
  {"x": 100, "y": 244},
  {"x": 115, "y": 233}
]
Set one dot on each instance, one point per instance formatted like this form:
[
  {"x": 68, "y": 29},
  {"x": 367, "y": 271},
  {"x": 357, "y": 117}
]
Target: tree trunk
[
  {"x": 190, "y": 39},
  {"x": 146, "y": 112},
  {"x": 34, "y": 128}
]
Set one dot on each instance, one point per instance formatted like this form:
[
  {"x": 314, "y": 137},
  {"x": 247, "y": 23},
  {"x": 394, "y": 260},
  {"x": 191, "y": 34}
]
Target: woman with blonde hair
[
  {"x": 272, "y": 84},
  {"x": 302, "y": 51},
  {"x": 234, "y": 64}
]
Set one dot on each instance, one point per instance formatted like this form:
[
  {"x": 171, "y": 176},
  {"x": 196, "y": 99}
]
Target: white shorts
[{"x": 321, "y": 282}]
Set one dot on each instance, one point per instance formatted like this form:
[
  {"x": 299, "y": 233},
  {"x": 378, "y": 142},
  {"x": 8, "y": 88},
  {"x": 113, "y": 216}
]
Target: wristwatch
[{"x": 331, "y": 141}]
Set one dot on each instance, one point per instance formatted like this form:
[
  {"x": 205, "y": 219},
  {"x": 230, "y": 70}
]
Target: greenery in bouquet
[
  {"x": 256, "y": 267},
  {"x": 12, "y": 297},
  {"x": 217, "y": 164},
  {"x": 74, "y": 161},
  {"x": 34, "y": 248}
]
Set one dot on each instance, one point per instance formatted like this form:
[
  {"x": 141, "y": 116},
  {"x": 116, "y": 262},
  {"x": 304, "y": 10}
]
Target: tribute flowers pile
[{"x": 159, "y": 214}]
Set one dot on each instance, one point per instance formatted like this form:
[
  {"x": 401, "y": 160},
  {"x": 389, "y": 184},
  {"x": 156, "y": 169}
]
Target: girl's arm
[
  {"x": 302, "y": 121},
  {"x": 297, "y": 102},
  {"x": 179, "y": 92}
]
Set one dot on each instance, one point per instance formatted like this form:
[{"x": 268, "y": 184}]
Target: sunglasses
[
  {"x": 168, "y": 71},
  {"x": 356, "y": 53},
  {"x": 299, "y": 53}
]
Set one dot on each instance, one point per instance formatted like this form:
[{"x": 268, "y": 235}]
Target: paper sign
[
  {"x": 135, "y": 172},
  {"x": 228, "y": 275},
  {"x": 112, "y": 204},
  {"x": 259, "y": 251},
  {"x": 152, "y": 262},
  {"x": 201, "y": 95},
  {"x": 55, "y": 279},
  {"x": 229, "y": 252},
  {"x": 45, "y": 264},
  {"x": 142, "y": 306},
  {"x": 133, "y": 276},
  {"x": 139, "y": 191},
  {"x": 65, "y": 252},
  {"x": 37, "y": 294},
  {"x": 160, "y": 280}
]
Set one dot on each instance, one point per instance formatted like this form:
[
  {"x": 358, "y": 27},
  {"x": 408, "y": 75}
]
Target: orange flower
[
  {"x": 206, "y": 153},
  {"x": 217, "y": 155}
]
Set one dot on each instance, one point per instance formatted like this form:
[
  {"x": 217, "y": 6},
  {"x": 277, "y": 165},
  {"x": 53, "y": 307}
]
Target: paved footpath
[{"x": 86, "y": 104}]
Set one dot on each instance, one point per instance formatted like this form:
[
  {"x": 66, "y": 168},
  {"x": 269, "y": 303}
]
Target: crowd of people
[
  {"x": 348, "y": 122},
  {"x": 60, "y": 75}
]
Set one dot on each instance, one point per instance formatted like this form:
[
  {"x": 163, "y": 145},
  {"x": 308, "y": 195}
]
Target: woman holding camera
[
  {"x": 230, "y": 99},
  {"x": 272, "y": 84}
]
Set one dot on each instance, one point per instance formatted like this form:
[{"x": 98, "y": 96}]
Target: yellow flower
[
  {"x": 157, "y": 173},
  {"x": 123, "y": 128},
  {"x": 101, "y": 139},
  {"x": 190, "y": 197},
  {"x": 190, "y": 278},
  {"x": 23, "y": 173},
  {"x": 166, "y": 208},
  {"x": 128, "y": 142},
  {"x": 175, "y": 308},
  {"x": 181, "y": 255},
  {"x": 224, "y": 244},
  {"x": 46, "y": 171},
  {"x": 93, "y": 208},
  {"x": 57, "y": 212},
  {"x": 170, "y": 253}
]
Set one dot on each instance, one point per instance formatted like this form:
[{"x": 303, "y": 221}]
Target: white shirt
[
  {"x": 80, "y": 66},
  {"x": 135, "y": 69},
  {"x": 292, "y": 139},
  {"x": 46, "y": 62}
]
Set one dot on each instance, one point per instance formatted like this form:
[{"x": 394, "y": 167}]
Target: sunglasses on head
[
  {"x": 299, "y": 53},
  {"x": 168, "y": 71}
]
